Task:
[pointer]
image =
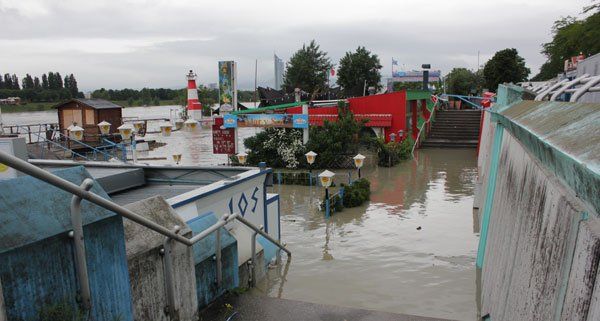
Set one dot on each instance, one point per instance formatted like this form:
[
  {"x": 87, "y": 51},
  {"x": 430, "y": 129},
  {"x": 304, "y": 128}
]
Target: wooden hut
[{"x": 87, "y": 113}]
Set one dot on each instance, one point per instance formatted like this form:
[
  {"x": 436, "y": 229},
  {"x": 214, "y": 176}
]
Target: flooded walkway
[
  {"x": 375, "y": 257},
  {"x": 371, "y": 257}
]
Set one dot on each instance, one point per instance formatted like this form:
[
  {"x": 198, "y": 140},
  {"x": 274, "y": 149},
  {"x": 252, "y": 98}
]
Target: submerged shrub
[
  {"x": 354, "y": 195},
  {"x": 392, "y": 153}
]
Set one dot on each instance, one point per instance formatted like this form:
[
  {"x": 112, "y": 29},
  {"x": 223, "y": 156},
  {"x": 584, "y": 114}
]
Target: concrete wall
[
  {"x": 146, "y": 265},
  {"x": 247, "y": 196},
  {"x": 541, "y": 257},
  {"x": 37, "y": 265},
  {"x": 204, "y": 261},
  {"x": 2, "y": 309}
]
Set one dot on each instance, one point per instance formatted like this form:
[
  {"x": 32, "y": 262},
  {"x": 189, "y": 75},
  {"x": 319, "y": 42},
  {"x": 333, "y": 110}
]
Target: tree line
[
  {"x": 50, "y": 87},
  {"x": 153, "y": 96}
]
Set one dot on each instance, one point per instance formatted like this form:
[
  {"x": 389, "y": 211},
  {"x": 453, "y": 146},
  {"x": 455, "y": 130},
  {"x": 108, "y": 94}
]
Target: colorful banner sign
[
  {"x": 227, "y": 86},
  {"x": 415, "y": 76},
  {"x": 266, "y": 120},
  {"x": 223, "y": 138}
]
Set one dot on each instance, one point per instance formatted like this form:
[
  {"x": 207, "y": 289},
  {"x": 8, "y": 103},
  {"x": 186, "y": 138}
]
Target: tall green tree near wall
[
  {"x": 462, "y": 81},
  {"x": 358, "y": 68},
  {"x": 505, "y": 66},
  {"x": 571, "y": 36},
  {"x": 307, "y": 69}
]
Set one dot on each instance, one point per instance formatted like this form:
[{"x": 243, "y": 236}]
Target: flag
[
  {"x": 394, "y": 62},
  {"x": 332, "y": 72}
]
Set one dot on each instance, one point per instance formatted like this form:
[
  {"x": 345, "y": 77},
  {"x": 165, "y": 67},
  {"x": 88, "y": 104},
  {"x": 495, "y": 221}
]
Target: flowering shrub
[
  {"x": 288, "y": 144},
  {"x": 279, "y": 147}
]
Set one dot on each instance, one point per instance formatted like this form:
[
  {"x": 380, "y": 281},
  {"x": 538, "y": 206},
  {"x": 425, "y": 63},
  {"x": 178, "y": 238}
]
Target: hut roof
[{"x": 93, "y": 103}]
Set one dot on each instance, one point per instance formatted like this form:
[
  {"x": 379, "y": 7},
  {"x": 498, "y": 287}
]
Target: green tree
[
  {"x": 8, "y": 81},
  {"x": 27, "y": 82},
  {"x": 36, "y": 83},
  {"x": 357, "y": 69},
  {"x": 307, "y": 69},
  {"x": 505, "y": 66},
  {"x": 72, "y": 87},
  {"x": 571, "y": 36},
  {"x": 462, "y": 81},
  {"x": 15, "y": 82},
  {"x": 45, "y": 84}
]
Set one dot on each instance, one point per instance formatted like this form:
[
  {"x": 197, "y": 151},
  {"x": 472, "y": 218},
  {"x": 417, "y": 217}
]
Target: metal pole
[
  {"x": 326, "y": 202},
  {"x": 79, "y": 246},
  {"x": 263, "y": 234},
  {"x": 170, "y": 284},
  {"x": 218, "y": 258},
  {"x": 253, "y": 266}
]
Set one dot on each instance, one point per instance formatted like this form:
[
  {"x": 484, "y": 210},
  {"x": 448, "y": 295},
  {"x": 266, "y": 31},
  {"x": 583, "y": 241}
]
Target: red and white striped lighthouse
[{"x": 194, "y": 107}]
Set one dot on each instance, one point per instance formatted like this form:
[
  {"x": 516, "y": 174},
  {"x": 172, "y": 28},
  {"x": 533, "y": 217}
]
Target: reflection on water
[
  {"x": 196, "y": 148},
  {"x": 374, "y": 256}
]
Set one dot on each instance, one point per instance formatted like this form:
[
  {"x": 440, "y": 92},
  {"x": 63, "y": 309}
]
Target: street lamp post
[
  {"x": 104, "y": 127},
  {"x": 191, "y": 125},
  {"x": 326, "y": 178},
  {"x": 242, "y": 157},
  {"x": 310, "y": 159},
  {"x": 177, "y": 158},
  {"x": 358, "y": 162},
  {"x": 166, "y": 128},
  {"x": 127, "y": 133}
]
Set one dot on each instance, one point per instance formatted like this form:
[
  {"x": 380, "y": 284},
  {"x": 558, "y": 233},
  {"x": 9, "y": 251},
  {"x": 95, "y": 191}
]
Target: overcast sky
[{"x": 136, "y": 43}]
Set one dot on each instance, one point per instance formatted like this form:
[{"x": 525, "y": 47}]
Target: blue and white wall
[{"x": 245, "y": 194}]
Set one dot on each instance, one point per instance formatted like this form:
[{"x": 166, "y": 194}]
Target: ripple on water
[{"x": 374, "y": 256}]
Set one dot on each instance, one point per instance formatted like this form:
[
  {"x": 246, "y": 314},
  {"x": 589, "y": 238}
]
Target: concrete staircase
[{"x": 454, "y": 129}]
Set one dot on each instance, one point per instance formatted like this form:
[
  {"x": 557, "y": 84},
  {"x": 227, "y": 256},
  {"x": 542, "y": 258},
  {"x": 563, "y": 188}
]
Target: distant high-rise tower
[
  {"x": 278, "y": 72},
  {"x": 194, "y": 107}
]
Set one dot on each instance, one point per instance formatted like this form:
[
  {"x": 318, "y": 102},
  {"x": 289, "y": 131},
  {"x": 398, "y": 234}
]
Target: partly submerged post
[{"x": 79, "y": 247}]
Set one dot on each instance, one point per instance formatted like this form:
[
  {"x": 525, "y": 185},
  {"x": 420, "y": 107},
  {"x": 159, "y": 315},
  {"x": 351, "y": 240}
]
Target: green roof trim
[
  {"x": 417, "y": 94},
  {"x": 274, "y": 107}
]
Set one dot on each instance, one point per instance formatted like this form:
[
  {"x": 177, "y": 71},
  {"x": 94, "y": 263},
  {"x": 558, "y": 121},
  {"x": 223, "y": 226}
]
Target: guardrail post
[
  {"x": 79, "y": 247},
  {"x": 254, "y": 264},
  {"x": 218, "y": 258},
  {"x": 168, "y": 273}
]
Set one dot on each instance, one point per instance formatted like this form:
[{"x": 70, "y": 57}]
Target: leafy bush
[
  {"x": 357, "y": 193},
  {"x": 392, "y": 153},
  {"x": 281, "y": 147},
  {"x": 354, "y": 195}
]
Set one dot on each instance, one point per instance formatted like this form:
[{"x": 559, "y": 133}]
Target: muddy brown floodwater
[{"x": 374, "y": 256}]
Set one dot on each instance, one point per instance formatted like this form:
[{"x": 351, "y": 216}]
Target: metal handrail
[
  {"x": 61, "y": 135},
  {"x": 427, "y": 121},
  {"x": 81, "y": 192},
  {"x": 65, "y": 185}
]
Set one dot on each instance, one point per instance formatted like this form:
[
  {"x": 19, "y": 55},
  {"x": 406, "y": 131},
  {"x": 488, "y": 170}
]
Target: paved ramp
[{"x": 251, "y": 307}]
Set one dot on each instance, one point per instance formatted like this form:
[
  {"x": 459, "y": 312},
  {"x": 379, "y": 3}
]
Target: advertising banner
[
  {"x": 223, "y": 138},
  {"x": 227, "y": 86},
  {"x": 415, "y": 76},
  {"x": 266, "y": 120}
]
